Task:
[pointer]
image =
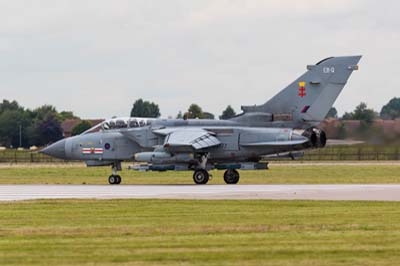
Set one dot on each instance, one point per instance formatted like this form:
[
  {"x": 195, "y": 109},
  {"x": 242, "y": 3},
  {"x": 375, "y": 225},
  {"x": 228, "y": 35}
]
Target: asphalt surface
[{"x": 287, "y": 192}]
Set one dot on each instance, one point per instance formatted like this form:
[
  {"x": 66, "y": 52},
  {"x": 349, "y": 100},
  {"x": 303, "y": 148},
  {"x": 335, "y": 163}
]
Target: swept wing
[{"x": 179, "y": 139}]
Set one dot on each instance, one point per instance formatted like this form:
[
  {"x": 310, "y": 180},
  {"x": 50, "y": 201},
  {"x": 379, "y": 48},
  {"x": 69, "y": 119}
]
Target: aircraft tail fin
[{"x": 310, "y": 97}]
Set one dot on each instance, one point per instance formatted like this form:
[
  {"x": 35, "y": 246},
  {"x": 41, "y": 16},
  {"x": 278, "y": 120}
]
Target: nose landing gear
[{"x": 114, "y": 178}]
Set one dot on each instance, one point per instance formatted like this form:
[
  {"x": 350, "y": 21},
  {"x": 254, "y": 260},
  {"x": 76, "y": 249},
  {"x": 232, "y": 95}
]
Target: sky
[{"x": 97, "y": 57}]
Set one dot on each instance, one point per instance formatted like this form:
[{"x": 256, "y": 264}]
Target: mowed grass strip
[
  {"x": 278, "y": 174},
  {"x": 186, "y": 232}
]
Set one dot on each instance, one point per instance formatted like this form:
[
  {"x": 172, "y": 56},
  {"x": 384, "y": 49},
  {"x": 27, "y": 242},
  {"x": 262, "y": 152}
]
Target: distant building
[
  {"x": 390, "y": 128},
  {"x": 331, "y": 127},
  {"x": 69, "y": 124}
]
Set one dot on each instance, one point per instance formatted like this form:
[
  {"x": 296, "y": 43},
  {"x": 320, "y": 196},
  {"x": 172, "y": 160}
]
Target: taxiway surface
[{"x": 378, "y": 192}]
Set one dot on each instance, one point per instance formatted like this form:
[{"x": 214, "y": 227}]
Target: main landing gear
[
  {"x": 201, "y": 176},
  {"x": 114, "y": 178},
  {"x": 231, "y": 176}
]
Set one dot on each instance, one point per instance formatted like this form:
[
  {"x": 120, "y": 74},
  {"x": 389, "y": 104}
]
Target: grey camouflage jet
[{"x": 285, "y": 124}]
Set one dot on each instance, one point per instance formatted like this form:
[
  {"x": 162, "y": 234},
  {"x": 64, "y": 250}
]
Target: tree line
[
  {"x": 389, "y": 111},
  {"x": 20, "y": 127},
  {"x": 150, "y": 109},
  {"x": 368, "y": 130}
]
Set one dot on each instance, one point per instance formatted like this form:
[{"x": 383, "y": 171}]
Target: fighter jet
[{"x": 287, "y": 123}]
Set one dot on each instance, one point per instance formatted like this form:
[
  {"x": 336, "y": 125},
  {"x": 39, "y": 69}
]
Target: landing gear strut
[
  {"x": 231, "y": 176},
  {"x": 114, "y": 178},
  {"x": 201, "y": 176}
]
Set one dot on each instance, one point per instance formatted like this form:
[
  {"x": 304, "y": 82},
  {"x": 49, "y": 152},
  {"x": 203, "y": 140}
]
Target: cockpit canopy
[{"x": 119, "y": 123}]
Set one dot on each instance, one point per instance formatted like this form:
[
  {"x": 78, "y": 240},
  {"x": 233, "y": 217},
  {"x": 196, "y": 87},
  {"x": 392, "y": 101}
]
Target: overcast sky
[{"x": 96, "y": 57}]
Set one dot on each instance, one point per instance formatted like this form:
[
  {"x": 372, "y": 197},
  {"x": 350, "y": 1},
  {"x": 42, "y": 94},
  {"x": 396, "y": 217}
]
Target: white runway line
[{"x": 378, "y": 192}]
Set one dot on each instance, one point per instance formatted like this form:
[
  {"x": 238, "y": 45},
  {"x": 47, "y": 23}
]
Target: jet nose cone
[{"x": 56, "y": 150}]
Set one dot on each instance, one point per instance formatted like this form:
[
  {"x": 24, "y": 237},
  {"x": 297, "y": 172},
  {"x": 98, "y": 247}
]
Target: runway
[{"x": 378, "y": 192}]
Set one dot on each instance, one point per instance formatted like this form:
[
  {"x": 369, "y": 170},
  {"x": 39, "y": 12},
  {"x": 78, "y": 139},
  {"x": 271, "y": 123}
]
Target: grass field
[
  {"x": 278, "y": 174},
  {"x": 188, "y": 232},
  {"x": 169, "y": 232}
]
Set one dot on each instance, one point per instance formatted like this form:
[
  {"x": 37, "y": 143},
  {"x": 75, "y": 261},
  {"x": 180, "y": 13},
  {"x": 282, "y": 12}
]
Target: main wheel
[
  {"x": 231, "y": 176},
  {"x": 113, "y": 179},
  {"x": 119, "y": 179},
  {"x": 201, "y": 177}
]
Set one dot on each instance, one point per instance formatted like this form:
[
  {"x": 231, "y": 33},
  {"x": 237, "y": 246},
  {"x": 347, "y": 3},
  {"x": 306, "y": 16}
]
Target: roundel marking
[{"x": 107, "y": 146}]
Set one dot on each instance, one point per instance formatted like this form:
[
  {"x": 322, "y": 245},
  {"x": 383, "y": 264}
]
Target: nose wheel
[
  {"x": 114, "y": 179},
  {"x": 231, "y": 176}
]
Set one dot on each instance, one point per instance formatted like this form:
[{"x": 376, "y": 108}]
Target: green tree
[
  {"x": 7, "y": 105},
  {"x": 391, "y": 110},
  {"x": 362, "y": 113},
  {"x": 38, "y": 127},
  {"x": 179, "y": 115},
  {"x": 13, "y": 118},
  {"x": 64, "y": 115},
  {"x": 81, "y": 127},
  {"x": 332, "y": 113},
  {"x": 145, "y": 109},
  {"x": 227, "y": 113},
  {"x": 43, "y": 111},
  {"x": 194, "y": 111},
  {"x": 208, "y": 115},
  {"x": 347, "y": 116},
  {"x": 45, "y": 130},
  {"x": 11, "y": 121}
]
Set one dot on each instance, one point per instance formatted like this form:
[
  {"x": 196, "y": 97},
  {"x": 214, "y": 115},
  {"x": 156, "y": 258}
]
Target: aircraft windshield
[{"x": 118, "y": 123}]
